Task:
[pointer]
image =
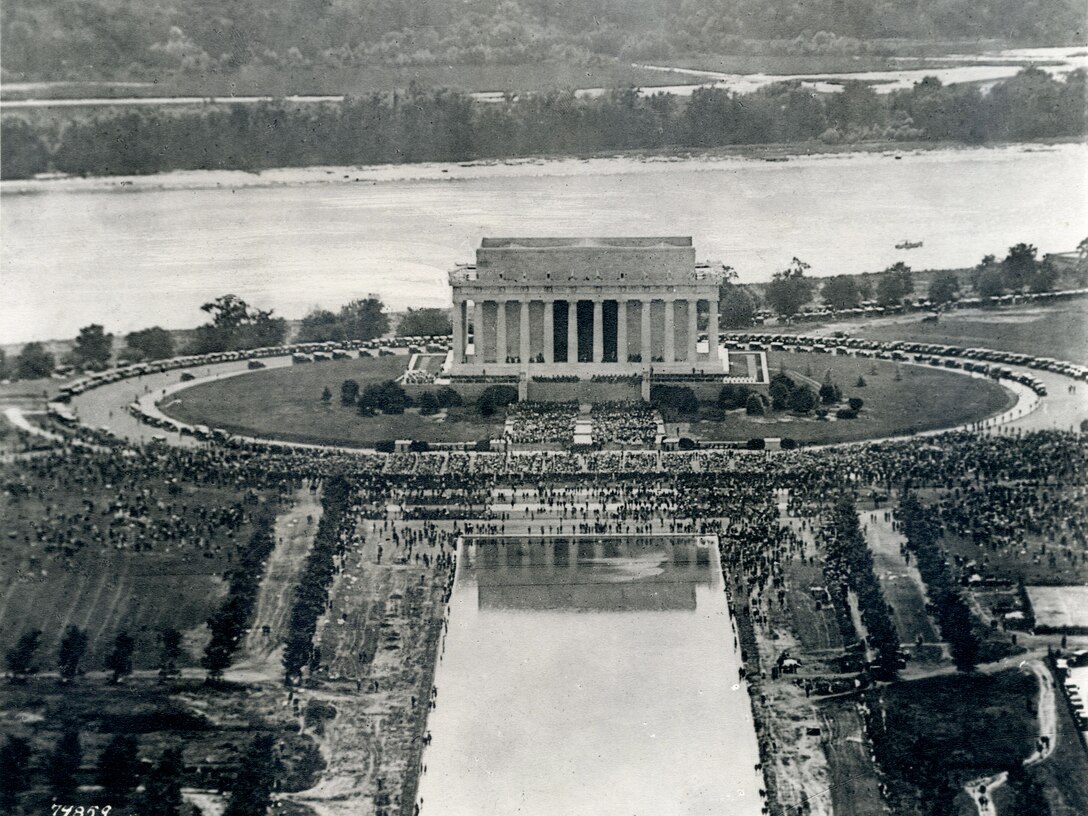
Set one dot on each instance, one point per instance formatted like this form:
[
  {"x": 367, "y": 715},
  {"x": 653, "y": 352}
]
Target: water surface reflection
[{"x": 590, "y": 676}]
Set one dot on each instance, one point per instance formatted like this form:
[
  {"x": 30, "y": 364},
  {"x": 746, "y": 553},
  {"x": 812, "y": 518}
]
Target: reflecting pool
[{"x": 590, "y": 676}]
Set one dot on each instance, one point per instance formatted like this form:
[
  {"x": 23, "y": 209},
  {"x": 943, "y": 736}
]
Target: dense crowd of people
[{"x": 627, "y": 423}]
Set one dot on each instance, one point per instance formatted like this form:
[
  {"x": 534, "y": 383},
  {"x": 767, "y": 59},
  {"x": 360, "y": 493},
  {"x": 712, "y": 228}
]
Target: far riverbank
[{"x": 612, "y": 162}]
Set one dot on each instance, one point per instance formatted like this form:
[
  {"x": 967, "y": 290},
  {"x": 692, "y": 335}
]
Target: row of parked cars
[
  {"x": 313, "y": 352},
  {"x": 870, "y": 308},
  {"x": 988, "y": 362}
]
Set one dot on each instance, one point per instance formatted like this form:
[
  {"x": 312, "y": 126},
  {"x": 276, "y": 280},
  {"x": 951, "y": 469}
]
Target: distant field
[
  {"x": 285, "y": 403},
  {"x": 924, "y": 399},
  {"x": 1053, "y": 331}
]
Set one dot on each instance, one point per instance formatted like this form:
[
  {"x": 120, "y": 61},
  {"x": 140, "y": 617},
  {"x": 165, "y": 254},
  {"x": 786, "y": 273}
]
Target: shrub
[
  {"x": 855, "y": 403},
  {"x": 756, "y": 444},
  {"x": 780, "y": 389},
  {"x": 385, "y": 446},
  {"x": 861, "y": 382},
  {"x": 495, "y": 397},
  {"x": 387, "y": 397},
  {"x": 846, "y": 413},
  {"x": 687, "y": 443},
  {"x": 830, "y": 393},
  {"x": 326, "y": 395},
  {"x": 483, "y": 445},
  {"x": 419, "y": 446},
  {"x": 788, "y": 443},
  {"x": 802, "y": 400},
  {"x": 187, "y": 377},
  {"x": 671, "y": 400},
  {"x": 733, "y": 396},
  {"x": 349, "y": 392},
  {"x": 755, "y": 407},
  {"x": 428, "y": 403},
  {"x": 448, "y": 398}
]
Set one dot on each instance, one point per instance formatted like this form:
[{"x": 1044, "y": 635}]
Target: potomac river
[{"x": 142, "y": 251}]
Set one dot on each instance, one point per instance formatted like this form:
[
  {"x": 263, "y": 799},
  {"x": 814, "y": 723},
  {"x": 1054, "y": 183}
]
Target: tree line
[
  {"x": 441, "y": 125},
  {"x": 87, "y": 39}
]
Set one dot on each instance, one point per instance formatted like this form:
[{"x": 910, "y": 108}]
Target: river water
[
  {"x": 150, "y": 253},
  {"x": 594, "y": 677}
]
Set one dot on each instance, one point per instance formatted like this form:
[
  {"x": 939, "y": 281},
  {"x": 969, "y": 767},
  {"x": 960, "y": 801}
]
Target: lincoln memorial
[{"x": 586, "y": 307}]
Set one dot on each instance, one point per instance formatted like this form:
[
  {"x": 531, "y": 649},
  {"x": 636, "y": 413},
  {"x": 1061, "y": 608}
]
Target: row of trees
[
  {"x": 447, "y": 126},
  {"x": 312, "y": 592},
  {"x": 151, "y": 788},
  {"x": 21, "y": 658},
  {"x": 849, "y": 563},
  {"x": 230, "y": 622},
  {"x": 946, "y": 598}
]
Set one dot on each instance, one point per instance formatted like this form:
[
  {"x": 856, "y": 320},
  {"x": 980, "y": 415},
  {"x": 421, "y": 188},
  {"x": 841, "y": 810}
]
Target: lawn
[
  {"x": 1059, "y": 331},
  {"x": 922, "y": 399},
  {"x": 854, "y": 783},
  {"x": 285, "y": 403}
]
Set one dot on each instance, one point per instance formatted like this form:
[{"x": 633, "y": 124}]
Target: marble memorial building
[{"x": 586, "y": 307}]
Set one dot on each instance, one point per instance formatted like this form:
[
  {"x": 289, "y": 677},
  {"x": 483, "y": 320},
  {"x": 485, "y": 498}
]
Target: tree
[
  {"x": 829, "y": 393},
  {"x": 349, "y": 392},
  {"x": 754, "y": 406},
  {"x": 155, "y": 343},
  {"x": 93, "y": 347},
  {"x": 63, "y": 765},
  {"x": 944, "y": 287},
  {"x": 1028, "y": 796},
  {"x": 20, "y": 658},
  {"x": 855, "y": 403},
  {"x": 326, "y": 395},
  {"x": 364, "y": 319},
  {"x": 14, "y": 770},
  {"x": 841, "y": 292},
  {"x": 23, "y": 152},
  {"x": 789, "y": 289},
  {"x": 34, "y": 362},
  {"x": 861, "y": 382},
  {"x": 119, "y": 660},
  {"x": 1020, "y": 266},
  {"x": 119, "y": 767},
  {"x": 235, "y": 325},
  {"x": 780, "y": 388},
  {"x": 320, "y": 326},
  {"x": 161, "y": 795},
  {"x": 895, "y": 284},
  {"x": 251, "y": 793},
  {"x": 170, "y": 640},
  {"x": 990, "y": 283},
  {"x": 1046, "y": 276},
  {"x": 72, "y": 647},
  {"x": 737, "y": 307},
  {"x": 802, "y": 399},
  {"x": 387, "y": 397},
  {"x": 495, "y": 397},
  {"x": 428, "y": 403},
  {"x": 425, "y": 323}
]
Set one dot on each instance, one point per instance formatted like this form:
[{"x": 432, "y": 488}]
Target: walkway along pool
[{"x": 589, "y": 676}]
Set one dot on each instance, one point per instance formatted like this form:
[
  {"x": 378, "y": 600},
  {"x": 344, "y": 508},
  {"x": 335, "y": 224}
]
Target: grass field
[
  {"x": 1052, "y": 331},
  {"x": 285, "y": 403},
  {"x": 924, "y": 399}
]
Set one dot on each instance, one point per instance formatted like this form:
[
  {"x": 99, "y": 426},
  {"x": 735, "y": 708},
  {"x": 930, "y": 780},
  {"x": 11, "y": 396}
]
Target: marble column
[
  {"x": 525, "y": 350},
  {"x": 621, "y": 331},
  {"x": 598, "y": 330},
  {"x": 693, "y": 330},
  {"x": 647, "y": 336},
  {"x": 712, "y": 329},
  {"x": 670, "y": 331},
  {"x": 478, "y": 332},
  {"x": 572, "y": 330},
  {"x": 501, "y": 352},
  {"x": 549, "y": 331},
  {"x": 458, "y": 331}
]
